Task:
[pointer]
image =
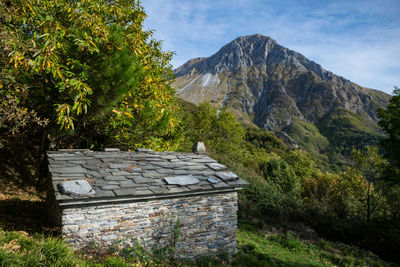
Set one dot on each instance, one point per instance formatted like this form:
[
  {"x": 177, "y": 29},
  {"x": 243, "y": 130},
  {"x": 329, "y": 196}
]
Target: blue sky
[{"x": 359, "y": 40}]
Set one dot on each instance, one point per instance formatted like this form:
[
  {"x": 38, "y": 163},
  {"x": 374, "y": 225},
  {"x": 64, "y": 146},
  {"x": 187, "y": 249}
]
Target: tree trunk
[{"x": 369, "y": 201}]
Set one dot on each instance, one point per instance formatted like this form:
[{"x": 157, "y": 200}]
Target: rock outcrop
[{"x": 269, "y": 85}]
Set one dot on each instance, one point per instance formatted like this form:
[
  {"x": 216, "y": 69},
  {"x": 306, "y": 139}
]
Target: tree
[
  {"x": 281, "y": 174},
  {"x": 219, "y": 129},
  {"x": 79, "y": 74},
  {"x": 89, "y": 68},
  {"x": 371, "y": 166},
  {"x": 390, "y": 123},
  {"x": 301, "y": 162}
]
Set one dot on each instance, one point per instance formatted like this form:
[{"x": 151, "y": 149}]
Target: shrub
[{"x": 279, "y": 173}]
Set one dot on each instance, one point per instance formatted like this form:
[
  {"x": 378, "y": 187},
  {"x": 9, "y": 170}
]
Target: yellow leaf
[{"x": 129, "y": 114}]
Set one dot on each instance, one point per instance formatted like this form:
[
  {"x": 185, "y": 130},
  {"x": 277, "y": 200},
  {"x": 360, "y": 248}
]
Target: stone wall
[{"x": 207, "y": 223}]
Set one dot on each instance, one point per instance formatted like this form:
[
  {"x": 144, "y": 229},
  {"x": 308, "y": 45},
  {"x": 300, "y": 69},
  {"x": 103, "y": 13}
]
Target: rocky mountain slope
[{"x": 269, "y": 85}]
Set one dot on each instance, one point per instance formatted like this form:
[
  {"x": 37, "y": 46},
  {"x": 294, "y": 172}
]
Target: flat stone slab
[
  {"x": 182, "y": 180},
  {"x": 213, "y": 180},
  {"x": 76, "y": 188},
  {"x": 227, "y": 176},
  {"x": 127, "y": 174},
  {"x": 125, "y": 191},
  {"x": 68, "y": 170},
  {"x": 216, "y": 166},
  {"x": 116, "y": 165},
  {"x": 111, "y": 149}
]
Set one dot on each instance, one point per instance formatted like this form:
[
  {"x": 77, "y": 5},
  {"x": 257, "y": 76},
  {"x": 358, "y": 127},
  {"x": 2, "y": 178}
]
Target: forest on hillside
[{"x": 85, "y": 74}]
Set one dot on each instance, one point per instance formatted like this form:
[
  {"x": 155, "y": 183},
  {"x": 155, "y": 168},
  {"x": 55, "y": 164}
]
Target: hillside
[
  {"x": 278, "y": 89},
  {"x": 86, "y": 76}
]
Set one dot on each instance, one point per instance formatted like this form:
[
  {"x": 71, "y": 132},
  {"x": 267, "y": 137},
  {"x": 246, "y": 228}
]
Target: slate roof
[{"x": 117, "y": 174}]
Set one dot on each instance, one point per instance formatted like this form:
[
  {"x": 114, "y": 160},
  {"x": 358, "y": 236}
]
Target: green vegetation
[
  {"x": 289, "y": 186},
  {"x": 84, "y": 74},
  {"x": 346, "y": 131},
  {"x": 85, "y": 67},
  {"x": 19, "y": 249},
  {"x": 308, "y": 137},
  {"x": 332, "y": 139},
  {"x": 390, "y": 123},
  {"x": 256, "y": 248}
]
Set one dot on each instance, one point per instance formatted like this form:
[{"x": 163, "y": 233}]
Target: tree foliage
[
  {"x": 390, "y": 123},
  {"x": 277, "y": 171},
  {"x": 218, "y": 129},
  {"x": 89, "y": 67}
]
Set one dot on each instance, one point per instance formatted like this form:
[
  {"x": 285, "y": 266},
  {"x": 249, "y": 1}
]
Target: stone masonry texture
[
  {"x": 207, "y": 223},
  {"x": 141, "y": 196}
]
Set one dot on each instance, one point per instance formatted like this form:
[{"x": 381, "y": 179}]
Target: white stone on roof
[
  {"x": 76, "y": 188},
  {"x": 182, "y": 180}
]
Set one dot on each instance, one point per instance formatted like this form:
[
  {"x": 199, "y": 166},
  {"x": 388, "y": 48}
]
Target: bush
[
  {"x": 267, "y": 200},
  {"x": 279, "y": 173}
]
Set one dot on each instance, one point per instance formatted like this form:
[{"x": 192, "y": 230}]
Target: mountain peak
[
  {"x": 271, "y": 85},
  {"x": 251, "y": 50},
  {"x": 244, "y": 51},
  {"x": 254, "y": 38}
]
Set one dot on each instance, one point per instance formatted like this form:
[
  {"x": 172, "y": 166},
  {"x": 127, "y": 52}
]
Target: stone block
[
  {"x": 104, "y": 193},
  {"x": 115, "y": 178},
  {"x": 213, "y": 180},
  {"x": 125, "y": 191},
  {"x": 128, "y": 183},
  {"x": 76, "y": 188},
  {"x": 141, "y": 192},
  {"x": 181, "y": 180},
  {"x": 216, "y": 166},
  {"x": 117, "y": 166},
  {"x": 152, "y": 174},
  {"x": 68, "y": 170},
  {"x": 227, "y": 176},
  {"x": 140, "y": 180},
  {"x": 110, "y": 187}
]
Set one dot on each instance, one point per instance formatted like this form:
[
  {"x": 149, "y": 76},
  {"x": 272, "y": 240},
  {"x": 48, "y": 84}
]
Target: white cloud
[{"x": 359, "y": 40}]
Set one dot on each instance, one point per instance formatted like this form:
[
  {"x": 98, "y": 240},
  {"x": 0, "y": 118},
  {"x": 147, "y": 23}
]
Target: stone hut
[{"x": 103, "y": 197}]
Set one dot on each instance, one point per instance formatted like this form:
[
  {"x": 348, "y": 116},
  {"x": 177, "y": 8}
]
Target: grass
[
  {"x": 20, "y": 249},
  {"x": 256, "y": 248}
]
